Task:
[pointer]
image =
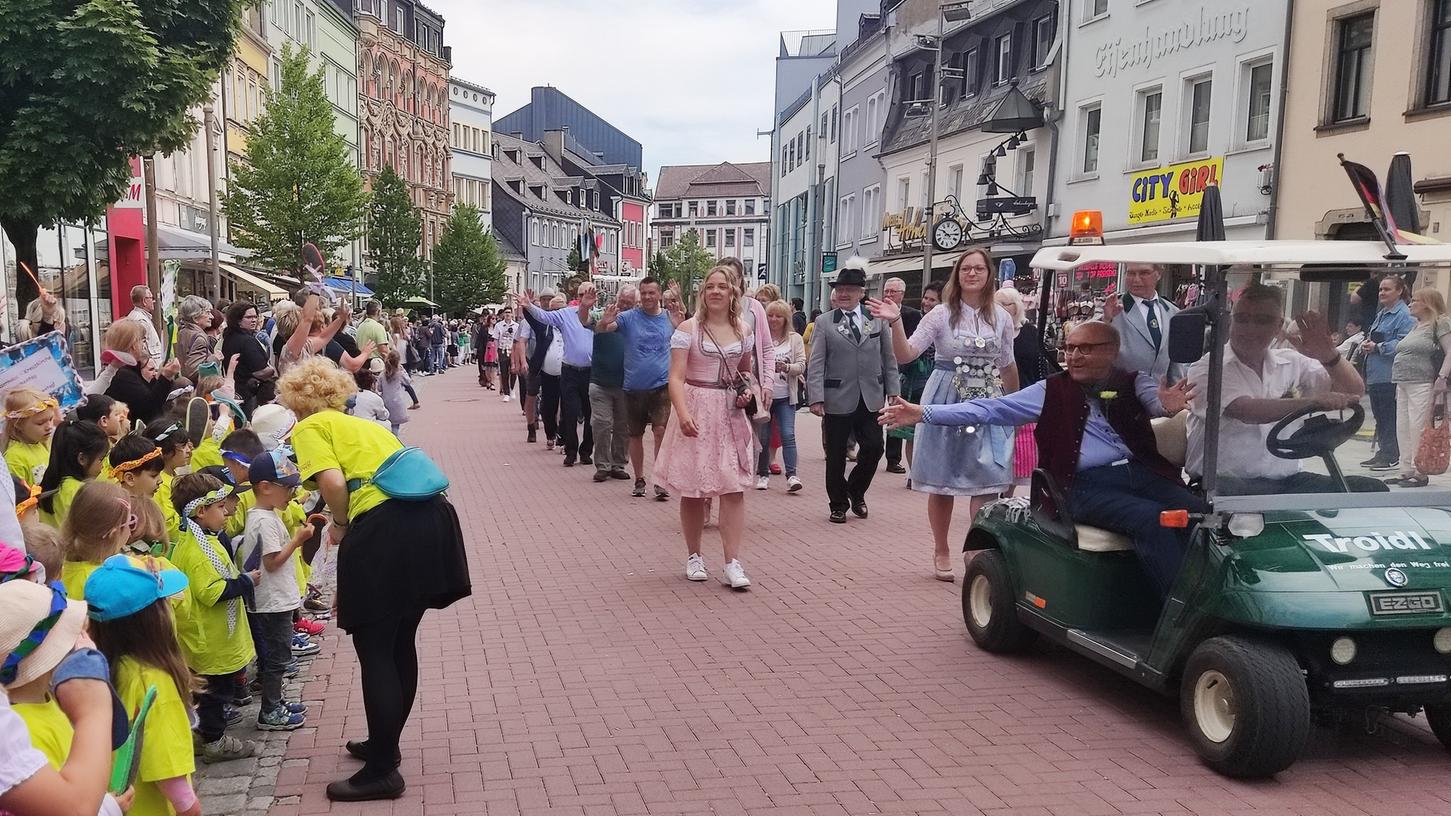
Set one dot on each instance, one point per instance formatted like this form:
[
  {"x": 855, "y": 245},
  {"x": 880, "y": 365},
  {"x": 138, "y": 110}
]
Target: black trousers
[
  {"x": 549, "y": 404},
  {"x": 1383, "y": 408},
  {"x": 506, "y": 377},
  {"x": 1128, "y": 498},
  {"x": 573, "y": 409},
  {"x": 894, "y": 450},
  {"x": 842, "y": 489},
  {"x": 211, "y": 699},
  {"x": 387, "y": 652}
]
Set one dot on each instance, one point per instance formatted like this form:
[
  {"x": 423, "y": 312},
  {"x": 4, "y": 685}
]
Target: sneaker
[
  {"x": 601, "y": 475},
  {"x": 532, "y": 435},
  {"x": 639, "y": 491},
  {"x": 763, "y": 482},
  {"x": 232, "y": 715},
  {"x": 735, "y": 575},
  {"x": 198, "y": 414},
  {"x": 621, "y": 475},
  {"x": 661, "y": 494},
  {"x": 317, "y": 609},
  {"x": 241, "y": 698},
  {"x": 695, "y": 568},
  {"x": 793, "y": 484},
  {"x": 306, "y": 627},
  {"x": 548, "y": 443},
  {"x": 303, "y": 647},
  {"x": 227, "y": 748},
  {"x": 295, "y": 708},
  {"x": 1385, "y": 465},
  {"x": 280, "y": 719},
  {"x": 293, "y": 667}
]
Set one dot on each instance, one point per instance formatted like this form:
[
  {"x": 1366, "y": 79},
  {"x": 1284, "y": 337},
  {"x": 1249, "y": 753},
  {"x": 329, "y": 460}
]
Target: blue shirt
[
  {"x": 1101, "y": 443},
  {"x": 1393, "y": 325},
  {"x": 579, "y": 339},
  {"x": 647, "y": 350}
]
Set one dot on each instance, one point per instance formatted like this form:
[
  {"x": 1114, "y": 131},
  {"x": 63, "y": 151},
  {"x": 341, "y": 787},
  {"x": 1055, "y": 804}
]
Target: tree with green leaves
[
  {"x": 574, "y": 262},
  {"x": 89, "y": 84},
  {"x": 394, "y": 233},
  {"x": 684, "y": 262},
  {"x": 296, "y": 184},
  {"x": 467, "y": 268}
]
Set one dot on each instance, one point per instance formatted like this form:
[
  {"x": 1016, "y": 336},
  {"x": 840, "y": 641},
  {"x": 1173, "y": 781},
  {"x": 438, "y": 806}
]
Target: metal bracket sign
[{"x": 828, "y": 263}]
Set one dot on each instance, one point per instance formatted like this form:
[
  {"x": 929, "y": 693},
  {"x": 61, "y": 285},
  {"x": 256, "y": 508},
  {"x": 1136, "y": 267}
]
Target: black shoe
[
  {"x": 531, "y": 436},
  {"x": 569, "y": 460},
  {"x": 661, "y": 494},
  {"x": 895, "y": 467},
  {"x": 241, "y": 698},
  {"x": 1391, "y": 465},
  {"x": 1374, "y": 460},
  {"x": 838, "y": 517},
  {"x": 859, "y": 508},
  {"x": 353, "y": 789},
  {"x": 639, "y": 491},
  {"x": 584, "y": 459},
  {"x": 358, "y": 749},
  {"x": 623, "y": 476},
  {"x": 601, "y": 475}
]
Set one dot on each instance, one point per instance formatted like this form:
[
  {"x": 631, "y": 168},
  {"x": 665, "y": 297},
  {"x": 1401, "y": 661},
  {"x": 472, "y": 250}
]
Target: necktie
[
  {"x": 1155, "y": 332},
  {"x": 851, "y": 324}
]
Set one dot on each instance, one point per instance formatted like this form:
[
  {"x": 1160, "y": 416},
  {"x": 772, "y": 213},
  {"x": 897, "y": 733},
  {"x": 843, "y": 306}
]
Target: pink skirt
[
  {"x": 719, "y": 459},
  {"x": 1025, "y": 453}
]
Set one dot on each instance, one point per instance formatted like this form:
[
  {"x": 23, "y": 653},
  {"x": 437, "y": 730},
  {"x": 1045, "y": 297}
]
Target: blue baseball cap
[
  {"x": 121, "y": 587},
  {"x": 274, "y": 466}
]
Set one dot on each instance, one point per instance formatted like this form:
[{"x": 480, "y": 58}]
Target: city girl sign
[{"x": 1171, "y": 192}]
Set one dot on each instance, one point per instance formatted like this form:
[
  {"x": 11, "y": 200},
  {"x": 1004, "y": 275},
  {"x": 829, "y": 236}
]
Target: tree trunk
[{"x": 23, "y": 235}]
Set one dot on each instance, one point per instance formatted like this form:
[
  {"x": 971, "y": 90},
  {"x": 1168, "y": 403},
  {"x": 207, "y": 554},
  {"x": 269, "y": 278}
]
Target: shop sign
[
  {"x": 1172, "y": 192},
  {"x": 1209, "y": 23},
  {"x": 909, "y": 226}
]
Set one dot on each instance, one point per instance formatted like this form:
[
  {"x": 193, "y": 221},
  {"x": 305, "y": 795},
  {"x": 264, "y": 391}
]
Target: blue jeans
[
  {"x": 1127, "y": 499},
  {"x": 783, "y": 418},
  {"x": 435, "y": 358}
]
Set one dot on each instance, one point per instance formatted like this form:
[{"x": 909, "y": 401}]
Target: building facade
[
  {"x": 471, "y": 128},
  {"x": 550, "y": 109},
  {"x": 542, "y": 211},
  {"x": 1368, "y": 80},
  {"x": 620, "y": 189},
  {"x": 403, "y": 103},
  {"x": 727, "y": 205},
  {"x": 862, "y": 76}
]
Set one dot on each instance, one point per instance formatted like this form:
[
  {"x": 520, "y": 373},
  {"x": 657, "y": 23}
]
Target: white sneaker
[
  {"x": 695, "y": 568},
  {"x": 735, "y": 575},
  {"x": 793, "y": 484},
  {"x": 763, "y": 482},
  {"x": 507, "y": 397}
]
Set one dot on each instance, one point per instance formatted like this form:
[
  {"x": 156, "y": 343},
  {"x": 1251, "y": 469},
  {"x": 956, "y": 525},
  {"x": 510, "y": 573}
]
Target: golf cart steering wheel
[{"x": 1319, "y": 436}]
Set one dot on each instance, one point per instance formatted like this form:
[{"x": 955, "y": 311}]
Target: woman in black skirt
[{"x": 396, "y": 558}]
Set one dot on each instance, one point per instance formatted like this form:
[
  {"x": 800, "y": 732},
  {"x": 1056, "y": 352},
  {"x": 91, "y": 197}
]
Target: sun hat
[
  {"x": 121, "y": 587},
  {"x": 39, "y": 626},
  {"x": 275, "y": 467},
  {"x": 273, "y": 423}
]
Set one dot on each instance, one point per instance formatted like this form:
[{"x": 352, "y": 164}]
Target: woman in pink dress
[{"x": 709, "y": 448}]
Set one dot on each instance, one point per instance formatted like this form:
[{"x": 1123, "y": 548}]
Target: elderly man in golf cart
[
  {"x": 1264, "y": 382},
  {"x": 1095, "y": 441}
]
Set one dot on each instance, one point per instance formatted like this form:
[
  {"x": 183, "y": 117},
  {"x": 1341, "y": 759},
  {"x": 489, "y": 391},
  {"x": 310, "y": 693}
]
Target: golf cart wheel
[
  {"x": 1245, "y": 705},
  {"x": 1439, "y": 716},
  {"x": 987, "y": 605}
]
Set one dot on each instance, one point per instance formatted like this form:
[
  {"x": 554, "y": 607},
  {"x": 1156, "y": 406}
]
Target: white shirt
[
  {"x": 153, "y": 342},
  {"x": 554, "y": 357},
  {"x": 277, "y": 591},
  {"x": 504, "y": 333},
  {"x": 1287, "y": 374}
]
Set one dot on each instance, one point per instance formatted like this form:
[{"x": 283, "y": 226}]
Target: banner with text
[{"x": 1172, "y": 192}]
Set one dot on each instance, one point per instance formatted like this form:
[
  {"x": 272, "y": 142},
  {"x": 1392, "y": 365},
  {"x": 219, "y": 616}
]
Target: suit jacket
[
  {"x": 843, "y": 371},
  {"x": 1136, "y": 344}
]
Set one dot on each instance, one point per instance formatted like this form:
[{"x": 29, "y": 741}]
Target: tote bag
[{"x": 1433, "y": 454}]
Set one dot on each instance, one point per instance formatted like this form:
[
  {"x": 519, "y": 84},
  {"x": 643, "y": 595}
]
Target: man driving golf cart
[
  {"x": 1263, "y": 385},
  {"x": 1095, "y": 443}
]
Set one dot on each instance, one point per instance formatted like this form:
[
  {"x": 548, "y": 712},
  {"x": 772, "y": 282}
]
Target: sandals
[{"x": 1408, "y": 481}]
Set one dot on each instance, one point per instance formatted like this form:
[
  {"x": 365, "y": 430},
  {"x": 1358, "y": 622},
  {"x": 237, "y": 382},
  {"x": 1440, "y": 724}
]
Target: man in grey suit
[
  {"x": 1142, "y": 320},
  {"x": 851, "y": 373}
]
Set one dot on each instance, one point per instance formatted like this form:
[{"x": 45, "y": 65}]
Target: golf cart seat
[{"x": 1171, "y": 435}]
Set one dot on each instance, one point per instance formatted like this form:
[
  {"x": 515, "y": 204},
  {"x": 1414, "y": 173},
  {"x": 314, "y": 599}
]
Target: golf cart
[{"x": 1290, "y": 608}]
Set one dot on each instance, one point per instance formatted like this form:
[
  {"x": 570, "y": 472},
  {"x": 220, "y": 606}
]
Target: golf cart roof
[{"x": 1241, "y": 253}]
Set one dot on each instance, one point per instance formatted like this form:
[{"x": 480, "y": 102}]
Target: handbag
[
  {"x": 744, "y": 383},
  {"x": 407, "y": 474},
  {"x": 1433, "y": 453}
]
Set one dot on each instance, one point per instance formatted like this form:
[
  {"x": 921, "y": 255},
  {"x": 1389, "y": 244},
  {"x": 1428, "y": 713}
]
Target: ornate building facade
[{"x": 403, "y": 104}]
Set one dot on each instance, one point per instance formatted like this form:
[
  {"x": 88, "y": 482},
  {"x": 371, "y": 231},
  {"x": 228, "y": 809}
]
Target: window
[
  {"x": 730, "y": 206},
  {"x": 825, "y": 117},
  {"x": 694, "y": 208},
  {"x": 790, "y": 155},
  {"x": 1352, "y": 67},
  {"x": 1094, "y": 9},
  {"x": 1257, "y": 124},
  {"x": 876, "y": 105},
  {"x": 1045, "y": 30},
  {"x": 904, "y": 194},
  {"x": 834, "y": 118},
  {"x": 1151, "y": 110},
  {"x": 1438, "y": 73},
  {"x": 730, "y": 239},
  {"x": 1092, "y": 124},
  {"x": 710, "y": 239},
  {"x": 843, "y": 218},
  {"x": 748, "y": 238},
  {"x": 848, "y": 130},
  {"x": 1027, "y": 164},
  {"x": 710, "y": 207},
  {"x": 954, "y": 181},
  {"x": 1199, "y": 94},
  {"x": 534, "y": 231},
  {"x": 1003, "y": 66},
  {"x": 784, "y": 165},
  {"x": 750, "y": 206},
  {"x": 806, "y": 145},
  {"x": 871, "y": 211}
]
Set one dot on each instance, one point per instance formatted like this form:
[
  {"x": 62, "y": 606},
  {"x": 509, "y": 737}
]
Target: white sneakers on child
[
  {"x": 695, "y": 568},
  {"x": 793, "y": 484},
  {"x": 763, "y": 482},
  {"x": 735, "y": 575}
]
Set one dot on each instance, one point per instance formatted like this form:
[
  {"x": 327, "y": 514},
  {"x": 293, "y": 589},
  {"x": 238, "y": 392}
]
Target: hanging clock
[{"x": 947, "y": 235}]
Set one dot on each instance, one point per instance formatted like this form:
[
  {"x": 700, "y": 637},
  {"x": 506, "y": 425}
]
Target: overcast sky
[{"x": 690, "y": 80}]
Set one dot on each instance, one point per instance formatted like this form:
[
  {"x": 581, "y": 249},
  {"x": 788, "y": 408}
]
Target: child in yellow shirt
[
  {"x": 31, "y": 416},
  {"x": 175, "y": 453},
  {"x": 100, "y": 524},
  {"x": 77, "y": 452}
]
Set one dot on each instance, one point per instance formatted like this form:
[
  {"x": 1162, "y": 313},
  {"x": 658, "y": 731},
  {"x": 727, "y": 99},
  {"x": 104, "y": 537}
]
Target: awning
[
  {"x": 895, "y": 266},
  {"x": 347, "y": 286},
  {"x": 419, "y": 300},
  {"x": 177, "y": 244},
  {"x": 273, "y": 292}
]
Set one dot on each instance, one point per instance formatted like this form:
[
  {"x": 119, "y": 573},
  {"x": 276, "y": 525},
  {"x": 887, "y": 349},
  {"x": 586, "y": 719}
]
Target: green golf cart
[{"x": 1289, "y": 608}]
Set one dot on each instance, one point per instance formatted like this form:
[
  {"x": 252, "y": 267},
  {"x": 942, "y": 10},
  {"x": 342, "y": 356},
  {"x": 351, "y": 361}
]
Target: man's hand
[
  {"x": 884, "y": 309},
  {"x": 345, "y": 310},
  {"x": 1368, "y": 347},
  {"x": 898, "y": 414},
  {"x": 1175, "y": 398},
  {"x": 588, "y": 296},
  {"x": 1314, "y": 340},
  {"x": 1336, "y": 401},
  {"x": 818, "y": 408},
  {"x": 1113, "y": 305},
  {"x": 612, "y": 311}
]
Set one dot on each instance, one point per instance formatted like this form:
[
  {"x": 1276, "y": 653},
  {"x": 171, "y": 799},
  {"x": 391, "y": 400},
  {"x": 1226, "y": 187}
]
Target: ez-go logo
[{"x": 1399, "y": 540}]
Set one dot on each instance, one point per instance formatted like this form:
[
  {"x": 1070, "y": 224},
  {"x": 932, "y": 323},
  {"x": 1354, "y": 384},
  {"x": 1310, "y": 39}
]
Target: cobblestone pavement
[{"x": 586, "y": 676}]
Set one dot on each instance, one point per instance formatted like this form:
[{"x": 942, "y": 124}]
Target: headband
[
  {"x": 235, "y": 456},
  {"x": 26, "y": 504},
  {"x": 47, "y": 404},
  {"x": 202, "y": 501},
  {"x": 223, "y": 567},
  {"x": 174, "y": 427},
  {"x": 137, "y": 462},
  {"x": 11, "y": 667}
]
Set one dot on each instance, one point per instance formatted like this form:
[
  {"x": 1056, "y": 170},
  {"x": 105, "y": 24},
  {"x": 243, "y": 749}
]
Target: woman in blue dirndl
[{"x": 973, "y": 337}]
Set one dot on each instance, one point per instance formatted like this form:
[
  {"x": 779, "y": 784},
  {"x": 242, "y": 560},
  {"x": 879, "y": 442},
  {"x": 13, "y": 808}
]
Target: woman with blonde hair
[
  {"x": 709, "y": 446},
  {"x": 193, "y": 346},
  {"x": 135, "y": 381},
  {"x": 1419, "y": 371},
  {"x": 790, "y": 364},
  {"x": 973, "y": 338},
  {"x": 768, "y": 293}
]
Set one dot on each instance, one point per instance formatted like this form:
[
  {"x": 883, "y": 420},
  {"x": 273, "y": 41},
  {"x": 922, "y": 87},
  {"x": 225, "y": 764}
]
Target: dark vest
[
  {"x": 1065, "y": 414},
  {"x": 543, "y": 336}
]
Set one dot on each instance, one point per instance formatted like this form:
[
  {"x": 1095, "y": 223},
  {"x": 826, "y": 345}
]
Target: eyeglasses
[
  {"x": 1071, "y": 349},
  {"x": 972, "y": 269}
]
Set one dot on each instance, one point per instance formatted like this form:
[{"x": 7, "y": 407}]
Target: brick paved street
[{"x": 586, "y": 676}]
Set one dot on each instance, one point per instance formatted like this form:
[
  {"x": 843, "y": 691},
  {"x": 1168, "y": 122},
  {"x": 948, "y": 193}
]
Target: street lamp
[{"x": 955, "y": 12}]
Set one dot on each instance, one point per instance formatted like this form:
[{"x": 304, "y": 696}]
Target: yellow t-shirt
[
  {"x": 61, "y": 502},
  {"x": 50, "y": 731},
  {"x": 166, "y": 750},
  {"x": 209, "y": 648},
  {"x": 74, "y": 575},
  {"x": 330, "y": 439},
  {"x": 237, "y": 522},
  {"x": 169, "y": 516},
  {"x": 28, "y": 460},
  {"x": 294, "y": 516},
  {"x": 208, "y": 453}
]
